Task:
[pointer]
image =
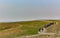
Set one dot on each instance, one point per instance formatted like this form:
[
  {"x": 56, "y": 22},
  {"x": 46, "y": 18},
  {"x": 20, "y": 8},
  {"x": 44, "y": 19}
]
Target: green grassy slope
[{"x": 14, "y": 29}]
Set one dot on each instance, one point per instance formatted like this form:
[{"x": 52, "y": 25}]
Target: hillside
[{"x": 17, "y": 29}]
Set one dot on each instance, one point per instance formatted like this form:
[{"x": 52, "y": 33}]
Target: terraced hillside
[{"x": 17, "y": 29}]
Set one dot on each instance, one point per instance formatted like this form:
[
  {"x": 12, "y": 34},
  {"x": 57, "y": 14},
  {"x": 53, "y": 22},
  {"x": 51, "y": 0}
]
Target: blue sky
[
  {"x": 33, "y": 2},
  {"x": 13, "y": 10}
]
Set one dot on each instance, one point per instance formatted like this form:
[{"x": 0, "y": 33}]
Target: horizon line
[{"x": 28, "y": 20}]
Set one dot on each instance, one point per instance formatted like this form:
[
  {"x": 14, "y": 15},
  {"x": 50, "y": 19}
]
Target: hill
[{"x": 17, "y": 29}]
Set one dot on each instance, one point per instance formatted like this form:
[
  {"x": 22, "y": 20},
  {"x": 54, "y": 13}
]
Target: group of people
[{"x": 45, "y": 26}]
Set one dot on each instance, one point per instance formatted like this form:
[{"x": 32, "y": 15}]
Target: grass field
[{"x": 17, "y": 29}]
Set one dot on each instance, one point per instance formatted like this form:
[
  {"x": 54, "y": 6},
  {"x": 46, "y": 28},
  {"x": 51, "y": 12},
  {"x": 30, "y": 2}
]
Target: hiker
[
  {"x": 48, "y": 25},
  {"x": 44, "y": 28},
  {"x": 41, "y": 29}
]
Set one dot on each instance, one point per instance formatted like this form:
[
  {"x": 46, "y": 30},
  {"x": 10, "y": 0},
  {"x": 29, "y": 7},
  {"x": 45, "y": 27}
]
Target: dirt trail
[{"x": 39, "y": 33}]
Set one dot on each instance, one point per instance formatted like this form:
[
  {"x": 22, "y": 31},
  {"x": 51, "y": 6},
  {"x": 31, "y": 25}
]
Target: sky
[{"x": 22, "y": 10}]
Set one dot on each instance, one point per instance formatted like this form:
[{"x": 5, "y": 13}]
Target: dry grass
[{"x": 16, "y": 29}]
